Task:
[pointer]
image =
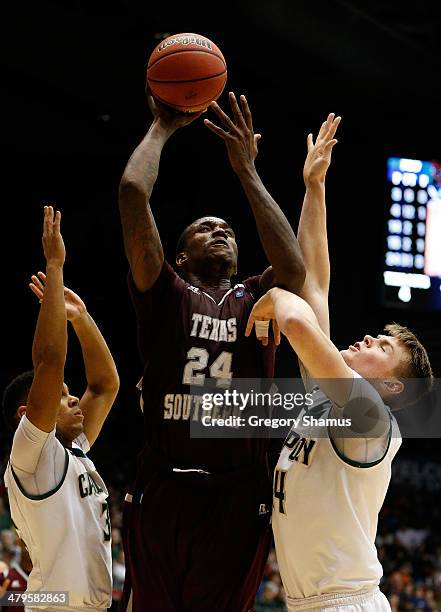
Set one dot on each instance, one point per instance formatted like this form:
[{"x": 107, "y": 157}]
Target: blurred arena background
[{"x": 74, "y": 110}]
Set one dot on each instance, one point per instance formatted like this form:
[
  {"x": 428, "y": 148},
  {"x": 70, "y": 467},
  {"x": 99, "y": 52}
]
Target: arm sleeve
[
  {"x": 155, "y": 306},
  {"x": 366, "y": 439},
  {"x": 37, "y": 457}
]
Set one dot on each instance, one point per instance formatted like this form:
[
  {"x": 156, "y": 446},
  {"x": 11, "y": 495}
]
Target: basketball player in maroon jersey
[
  {"x": 197, "y": 519},
  {"x": 16, "y": 578}
]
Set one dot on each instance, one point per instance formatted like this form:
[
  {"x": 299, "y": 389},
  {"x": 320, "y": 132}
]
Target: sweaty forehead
[{"x": 209, "y": 221}]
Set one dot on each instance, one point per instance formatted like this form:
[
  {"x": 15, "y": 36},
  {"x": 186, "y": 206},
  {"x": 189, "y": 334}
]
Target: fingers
[
  {"x": 154, "y": 105},
  {"x": 250, "y": 324},
  {"x": 333, "y": 127},
  {"x": 329, "y": 145},
  {"x": 261, "y": 336},
  {"x": 246, "y": 113},
  {"x": 309, "y": 143},
  {"x": 238, "y": 117},
  {"x": 37, "y": 281},
  {"x": 47, "y": 220},
  {"x": 187, "y": 118},
  {"x": 49, "y": 213},
  {"x": 36, "y": 291},
  {"x": 214, "y": 128},
  {"x": 276, "y": 332},
  {"x": 325, "y": 127},
  {"x": 329, "y": 127},
  {"x": 224, "y": 117},
  {"x": 36, "y": 286},
  {"x": 261, "y": 326},
  {"x": 57, "y": 222},
  {"x": 195, "y": 116}
]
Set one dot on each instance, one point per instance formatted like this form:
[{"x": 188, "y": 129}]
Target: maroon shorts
[{"x": 195, "y": 542}]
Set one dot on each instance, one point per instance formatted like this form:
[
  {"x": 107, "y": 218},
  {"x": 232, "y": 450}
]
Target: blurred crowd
[{"x": 408, "y": 541}]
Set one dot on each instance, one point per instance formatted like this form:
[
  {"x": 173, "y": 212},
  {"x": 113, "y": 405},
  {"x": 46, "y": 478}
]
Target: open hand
[
  {"x": 318, "y": 158},
  {"x": 239, "y": 136},
  {"x": 75, "y": 307},
  {"x": 53, "y": 245},
  {"x": 263, "y": 310}
]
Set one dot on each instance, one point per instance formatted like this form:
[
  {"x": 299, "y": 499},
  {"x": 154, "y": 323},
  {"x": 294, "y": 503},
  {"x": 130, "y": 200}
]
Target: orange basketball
[{"x": 186, "y": 72}]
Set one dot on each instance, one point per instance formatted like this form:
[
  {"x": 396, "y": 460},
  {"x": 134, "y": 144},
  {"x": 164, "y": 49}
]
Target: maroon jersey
[
  {"x": 19, "y": 583},
  {"x": 186, "y": 335}
]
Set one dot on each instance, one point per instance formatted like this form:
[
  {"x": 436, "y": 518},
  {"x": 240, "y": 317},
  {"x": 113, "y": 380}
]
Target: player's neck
[
  {"x": 209, "y": 282},
  {"x": 66, "y": 443}
]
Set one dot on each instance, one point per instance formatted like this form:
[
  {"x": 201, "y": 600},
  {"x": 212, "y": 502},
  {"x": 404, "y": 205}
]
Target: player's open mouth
[
  {"x": 355, "y": 348},
  {"x": 219, "y": 241}
]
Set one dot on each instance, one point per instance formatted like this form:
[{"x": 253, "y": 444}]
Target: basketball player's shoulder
[
  {"x": 168, "y": 280},
  {"x": 251, "y": 285}
]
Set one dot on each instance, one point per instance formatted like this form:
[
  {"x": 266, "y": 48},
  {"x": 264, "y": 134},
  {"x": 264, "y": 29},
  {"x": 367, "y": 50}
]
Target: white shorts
[{"x": 367, "y": 601}]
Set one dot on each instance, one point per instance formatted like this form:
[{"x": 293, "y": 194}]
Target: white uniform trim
[
  {"x": 326, "y": 511},
  {"x": 66, "y": 530},
  {"x": 226, "y": 294},
  {"x": 371, "y": 600}
]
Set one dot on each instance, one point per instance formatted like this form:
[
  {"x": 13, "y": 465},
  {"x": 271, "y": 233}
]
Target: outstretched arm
[
  {"x": 298, "y": 322},
  {"x": 276, "y": 235},
  {"x": 141, "y": 238},
  {"x": 50, "y": 339},
  {"x": 312, "y": 232},
  {"x": 101, "y": 374}
]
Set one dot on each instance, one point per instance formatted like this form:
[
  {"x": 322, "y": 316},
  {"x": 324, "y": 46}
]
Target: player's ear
[
  {"x": 393, "y": 386},
  {"x": 21, "y": 411},
  {"x": 181, "y": 258}
]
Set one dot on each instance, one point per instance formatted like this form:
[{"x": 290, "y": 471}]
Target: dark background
[{"x": 74, "y": 109}]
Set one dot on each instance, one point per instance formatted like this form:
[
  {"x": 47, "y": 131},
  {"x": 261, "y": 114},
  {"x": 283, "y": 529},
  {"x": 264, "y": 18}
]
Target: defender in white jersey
[
  {"x": 332, "y": 476},
  {"x": 57, "y": 498}
]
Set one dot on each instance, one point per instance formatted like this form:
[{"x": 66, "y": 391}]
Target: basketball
[{"x": 186, "y": 72}]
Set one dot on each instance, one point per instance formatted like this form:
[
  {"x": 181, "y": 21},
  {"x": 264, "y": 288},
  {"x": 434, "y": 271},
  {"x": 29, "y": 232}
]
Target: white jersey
[
  {"x": 66, "y": 530},
  {"x": 325, "y": 510}
]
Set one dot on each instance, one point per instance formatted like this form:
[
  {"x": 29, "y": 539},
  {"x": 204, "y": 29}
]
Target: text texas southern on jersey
[{"x": 186, "y": 334}]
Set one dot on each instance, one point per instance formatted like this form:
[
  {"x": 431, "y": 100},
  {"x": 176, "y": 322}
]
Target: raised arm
[
  {"x": 101, "y": 374},
  {"x": 298, "y": 322},
  {"x": 275, "y": 233},
  {"x": 312, "y": 232},
  {"x": 141, "y": 238},
  {"x": 50, "y": 338}
]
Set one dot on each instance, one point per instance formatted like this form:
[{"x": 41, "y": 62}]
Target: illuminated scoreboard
[{"x": 412, "y": 270}]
